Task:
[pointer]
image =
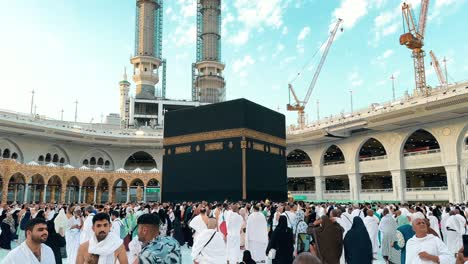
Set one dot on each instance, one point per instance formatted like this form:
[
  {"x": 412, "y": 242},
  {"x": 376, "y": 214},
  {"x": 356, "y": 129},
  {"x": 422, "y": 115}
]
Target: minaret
[
  {"x": 208, "y": 81},
  {"x": 148, "y": 42},
  {"x": 124, "y": 98}
]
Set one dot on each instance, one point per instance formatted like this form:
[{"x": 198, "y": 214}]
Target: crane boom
[
  {"x": 423, "y": 18},
  {"x": 294, "y": 94},
  {"x": 322, "y": 60},
  {"x": 437, "y": 69}
]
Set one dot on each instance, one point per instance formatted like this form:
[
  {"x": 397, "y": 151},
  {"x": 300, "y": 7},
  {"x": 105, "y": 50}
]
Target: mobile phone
[
  {"x": 303, "y": 242},
  {"x": 465, "y": 246}
]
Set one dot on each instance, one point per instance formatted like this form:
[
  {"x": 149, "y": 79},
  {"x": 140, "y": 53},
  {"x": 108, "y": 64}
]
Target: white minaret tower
[
  {"x": 147, "y": 58},
  {"x": 208, "y": 81},
  {"x": 124, "y": 98}
]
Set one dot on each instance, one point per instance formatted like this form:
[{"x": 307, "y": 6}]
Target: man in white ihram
[
  {"x": 372, "y": 226},
  {"x": 455, "y": 227},
  {"x": 32, "y": 250},
  {"x": 425, "y": 248},
  {"x": 209, "y": 247},
  {"x": 256, "y": 237},
  {"x": 87, "y": 233},
  {"x": 234, "y": 225}
]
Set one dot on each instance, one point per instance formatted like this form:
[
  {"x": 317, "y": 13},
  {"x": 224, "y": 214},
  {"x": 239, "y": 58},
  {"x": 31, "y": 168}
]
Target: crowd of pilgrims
[{"x": 258, "y": 232}]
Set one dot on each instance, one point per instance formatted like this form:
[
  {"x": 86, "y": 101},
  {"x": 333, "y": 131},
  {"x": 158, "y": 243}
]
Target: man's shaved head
[{"x": 212, "y": 223}]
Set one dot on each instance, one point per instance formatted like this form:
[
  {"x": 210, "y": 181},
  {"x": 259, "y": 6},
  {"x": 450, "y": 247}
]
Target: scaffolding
[
  {"x": 163, "y": 92},
  {"x": 158, "y": 28}
]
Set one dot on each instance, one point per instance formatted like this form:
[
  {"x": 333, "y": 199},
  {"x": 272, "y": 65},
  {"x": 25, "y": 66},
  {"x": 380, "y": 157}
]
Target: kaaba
[{"x": 233, "y": 150}]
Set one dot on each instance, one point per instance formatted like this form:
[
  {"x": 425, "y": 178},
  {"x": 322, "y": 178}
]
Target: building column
[
  {"x": 79, "y": 195},
  {"x": 69, "y": 195},
  {"x": 95, "y": 193},
  {"x": 34, "y": 194},
  {"x": 144, "y": 194},
  {"x": 5, "y": 192},
  {"x": 63, "y": 195},
  {"x": 399, "y": 185},
  {"x": 52, "y": 193},
  {"x": 319, "y": 187},
  {"x": 99, "y": 196},
  {"x": 26, "y": 187},
  {"x": 111, "y": 195},
  {"x": 454, "y": 183},
  {"x": 44, "y": 193},
  {"x": 16, "y": 194},
  {"x": 128, "y": 194},
  {"x": 355, "y": 186}
]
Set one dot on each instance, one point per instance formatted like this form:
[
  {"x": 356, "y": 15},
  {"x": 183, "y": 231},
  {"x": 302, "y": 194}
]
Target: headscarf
[
  {"x": 24, "y": 220},
  {"x": 402, "y": 220},
  {"x": 10, "y": 221},
  {"x": 329, "y": 240},
  {"x": 357, "y": 244},
  {"x": 61, "y": 221},
  {"x": 247, "y": 258},
  {"x": 301, "y": 224}
]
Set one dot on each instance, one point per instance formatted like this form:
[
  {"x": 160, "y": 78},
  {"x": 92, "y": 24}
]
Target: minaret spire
[{"x": 125, "y": 74}]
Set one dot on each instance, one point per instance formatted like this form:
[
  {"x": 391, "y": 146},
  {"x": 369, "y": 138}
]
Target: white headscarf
[
  {"x": 61, "y": 221},
  {"x": 105, "y": 249}
]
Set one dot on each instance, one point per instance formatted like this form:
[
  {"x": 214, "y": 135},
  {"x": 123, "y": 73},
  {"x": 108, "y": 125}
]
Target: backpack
[{"x": 123, "y": 229}]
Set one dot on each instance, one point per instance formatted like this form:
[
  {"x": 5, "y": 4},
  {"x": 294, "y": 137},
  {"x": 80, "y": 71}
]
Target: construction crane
[
  {"x": 437, "y": 69},
  {"x": 299, "y": 106},
  {"x": 414, "y": 40}
]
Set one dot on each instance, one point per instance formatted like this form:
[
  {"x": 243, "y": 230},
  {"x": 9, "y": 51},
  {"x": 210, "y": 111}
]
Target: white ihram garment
[
  {"x": 234, "y": 226},
  {"x": 257, "y": 236},
  {"x": 372, "y": 226},
  {"x": 22, "y": 254},
  {"x": 430, "y": 244}
]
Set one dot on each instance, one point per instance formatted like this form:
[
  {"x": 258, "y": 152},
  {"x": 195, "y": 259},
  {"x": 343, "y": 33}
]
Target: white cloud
[
  {"x": 188, "y": 8},
  {"x": 239, "y": 65},
  {"x": 279, "y": 49},
  {"x": 185, "y": 34},
  {"x": 240, "y": 38},
  {"x": 350, "y": 11},
  {"x": 442, "y": 3},
  {"x": 303, "y": 34},
  {"x": 169, "y": 10},
  {"x": 285, "y": 30},
  {"x": 355, "y": 79},
  {"x": 387, "y": 54}
]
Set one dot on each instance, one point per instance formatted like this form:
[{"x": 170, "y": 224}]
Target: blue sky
[{"x": 69, "y": 50}]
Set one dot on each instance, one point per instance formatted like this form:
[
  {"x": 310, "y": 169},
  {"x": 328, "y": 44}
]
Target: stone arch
[
  {"x": 54, "y": 188},
  {"x": 462, "y": 141},
  {"x": 72, "y": 189},
  {"x": 12, "y": 147},
  {"x": 414, "y": 133},
  {"x": 16, "y": 187},
  {"x": 103, "y": 191},
  {"x": 153, "y": 188},
  {"x": 369, "y": 148},
  {"x": 96, "y": 154},
  {"x": 136, "y": 190},
  {"x": 58, "y": 153},
  {"x": 119, "y": 190},
  {"x": 36, "y": 188},
  {"x": 298, "y": 157},
  {"x": 333, "y": 154},
  {"x": 87, "y": 189},
  {"x": 140, "y": 159}
]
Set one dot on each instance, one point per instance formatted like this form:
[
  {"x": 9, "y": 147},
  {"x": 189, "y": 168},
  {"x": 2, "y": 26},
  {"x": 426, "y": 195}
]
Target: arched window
[
  {"x": 62, "y": 161},
  {"x": 55, "y": 159},
  {"x": 298, "y": 157},
  {"x": 141, "y": 160},
  {"x": 14, "y": 156},
  {"x": 100, "y": 162},
  {"x": 6, "y": 154},
  {"x": 107, "y": 164},
  {"x": 421, "y": 141},
  {"x": 372, "y": 149},
  {"x": 48, "y": 158},
  {"x": 333, "y": 156},
  {"x": 85, "y": 162},
  {"x": 41, "y": 159},
  {"x": 92, "y": 161}
]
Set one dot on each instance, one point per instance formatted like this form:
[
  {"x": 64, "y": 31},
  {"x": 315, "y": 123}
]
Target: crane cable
[{"x": 307, "y": 63}]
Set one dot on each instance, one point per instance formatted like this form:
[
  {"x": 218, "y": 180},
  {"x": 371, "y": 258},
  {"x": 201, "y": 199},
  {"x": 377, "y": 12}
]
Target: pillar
[
  {"x": 319, "y": 187},
  {"x": 79, "y": 195},
  {"x": 99, "y": 196},
  {"x": 26, "y": 187},
  {"x": 15, "y": 199},
  {"x": 95, "y": 193},
  {"x": 128, "y": 194},
  {"x": 399, "y": 185},
  {"x": 144, "y": 194},
  {"x": 111, "y": 195},
  {"x": 454, "y": 184},
  {"x": 5, "y": 191},
  {"x": 355, "y": 186},
  {"x": 52, "y": 193},
  {"x": 63, "y": 195},
  {"x": 69, "y": 194},
  {"x": 34, "y": 194},
  {"x": 44, "y": 193}
]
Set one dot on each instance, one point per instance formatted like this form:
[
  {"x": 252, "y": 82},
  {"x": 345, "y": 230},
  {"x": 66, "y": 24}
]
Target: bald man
[{"x": 209, "y": 248}]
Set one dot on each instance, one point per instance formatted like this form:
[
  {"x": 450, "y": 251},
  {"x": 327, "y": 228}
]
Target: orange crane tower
[{"x": 414, "y": 40}]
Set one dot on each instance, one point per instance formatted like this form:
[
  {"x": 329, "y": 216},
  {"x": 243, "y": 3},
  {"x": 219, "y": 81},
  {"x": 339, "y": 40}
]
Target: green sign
[
  {"x": 153, "y": 190},
  {"x": 300, "y": 197}
]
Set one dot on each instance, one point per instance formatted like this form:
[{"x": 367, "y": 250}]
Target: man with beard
[
  {"x": 103, "y": 247},
  {"x": 33, "y": 250}
]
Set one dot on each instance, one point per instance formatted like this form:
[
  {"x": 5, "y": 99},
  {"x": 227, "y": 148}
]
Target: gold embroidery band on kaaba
[{"x": 223, "y": 134}]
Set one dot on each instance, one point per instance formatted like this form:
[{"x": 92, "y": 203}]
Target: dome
[
  {"x": 52, "y": 165},
  {"x": 33, "y": 163},
  {"x": 68, "y": 166},
  {"x": 154, "y": 170},
  {"x": 137, "y": 170},
  {"x": 121, "y": 170},
  {"x": 84, "y": 168}
]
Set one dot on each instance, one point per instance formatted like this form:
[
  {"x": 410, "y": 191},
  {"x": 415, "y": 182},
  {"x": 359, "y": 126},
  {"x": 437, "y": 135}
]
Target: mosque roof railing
[{"x": 375, "y": 109}]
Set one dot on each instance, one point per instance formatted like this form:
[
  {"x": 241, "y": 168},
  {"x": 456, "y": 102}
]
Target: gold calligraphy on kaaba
[
  {"x": 184, "y": 149},
  {"x": 275, "y": 150},
  {"x": 214, "y": 146},
  {"x": 258, "y": 146}
]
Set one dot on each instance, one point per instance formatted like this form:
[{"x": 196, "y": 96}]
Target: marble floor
[{"x": 186, "y": 258}]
